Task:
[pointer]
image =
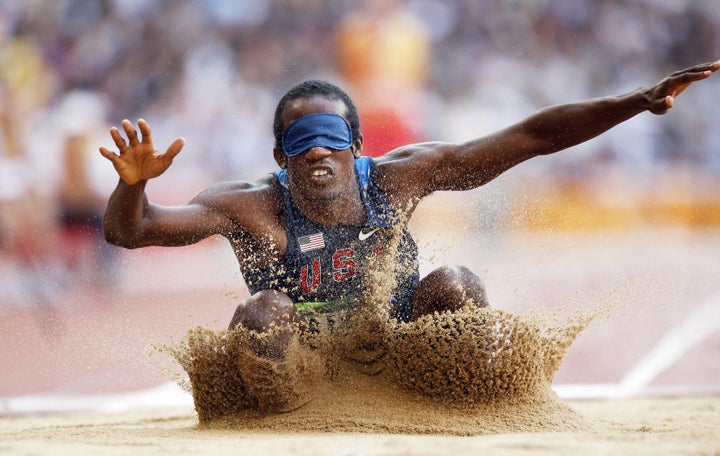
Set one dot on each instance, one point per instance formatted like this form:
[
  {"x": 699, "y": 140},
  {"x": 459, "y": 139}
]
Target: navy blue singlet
[{"x": 323, "y": 266}]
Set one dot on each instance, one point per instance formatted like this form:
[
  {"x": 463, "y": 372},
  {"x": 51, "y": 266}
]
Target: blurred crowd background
[{"x": 212, "y": 71}]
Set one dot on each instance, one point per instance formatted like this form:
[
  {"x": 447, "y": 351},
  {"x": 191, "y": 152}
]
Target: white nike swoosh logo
[{"x": 362, "y": 236}]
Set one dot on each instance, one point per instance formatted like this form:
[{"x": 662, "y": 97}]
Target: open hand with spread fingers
[{"x": 138, "y": 159}]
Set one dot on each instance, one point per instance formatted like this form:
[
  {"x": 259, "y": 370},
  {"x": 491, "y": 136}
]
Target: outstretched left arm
[{"x": 442, "y": 166}]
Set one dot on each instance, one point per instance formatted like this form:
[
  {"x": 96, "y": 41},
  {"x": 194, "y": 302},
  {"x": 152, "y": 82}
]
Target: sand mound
[
  {"x": 226, "y": 376},
  {"x": 469, "y": 357},
  {"x": 475, "y": 371}
]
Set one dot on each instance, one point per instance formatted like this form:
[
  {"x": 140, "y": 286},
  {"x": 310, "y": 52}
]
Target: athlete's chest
[{"x": 330, "y": 256}]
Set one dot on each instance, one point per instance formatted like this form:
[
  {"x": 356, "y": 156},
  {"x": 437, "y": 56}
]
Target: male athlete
[{"x": 305, "y": 236}]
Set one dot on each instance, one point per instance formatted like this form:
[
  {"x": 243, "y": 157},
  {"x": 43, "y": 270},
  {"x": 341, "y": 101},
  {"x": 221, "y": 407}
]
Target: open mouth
[{"x": 320, "y": 174}]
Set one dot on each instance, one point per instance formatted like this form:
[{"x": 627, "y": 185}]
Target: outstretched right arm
[{"x": 131, "y": 221}]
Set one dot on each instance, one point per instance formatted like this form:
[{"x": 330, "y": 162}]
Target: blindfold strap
[{"x": 321, "y": 129}]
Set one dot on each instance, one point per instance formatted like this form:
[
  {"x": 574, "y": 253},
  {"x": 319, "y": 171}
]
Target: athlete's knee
[
  {"x": 472, "y": 285},
  {"x": 259, "y": 313},
  {"x": 456, "y": 280},
  {"x": 448, "y": 288},
  {"x": 263, "y": 309},
  {"x": 455, "y": 274}
]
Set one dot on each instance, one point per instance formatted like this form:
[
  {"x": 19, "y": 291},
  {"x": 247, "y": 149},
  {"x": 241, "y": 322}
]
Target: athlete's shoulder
[
  {"x": 233, "y": 192},
  {"x": 413, "y": 160},
  {"x": 231, "y": 187},
  {"x": 417, "y": 151},
  {"x": 403, "y": 174}
]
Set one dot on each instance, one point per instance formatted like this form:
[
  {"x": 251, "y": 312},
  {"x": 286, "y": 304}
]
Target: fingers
[
  {"x": 678, "y": 83},
  {"x": 145, "y": 131},
  {"x": 175, "y": 148},
  {"x": 690, "y": 76},
  {"x": 118, "y": 139},
  {"x": 710, "y": 66},
  {"x": 669, "y": 102},
  {"x": 703, "y": 67},
  {"x": 675, "y": 84},
  {"x": 695, "y": 73},
  {"x": 134, "y": 140},
  {"x": 130, "y": 132},
  {"x": 112, "y": 156},
  {"x": 662, "y": 105}
]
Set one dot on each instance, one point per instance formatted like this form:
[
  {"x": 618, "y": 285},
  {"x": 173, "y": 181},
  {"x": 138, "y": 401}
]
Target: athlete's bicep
[
  {"x": 474, "y": 163},
  {"x": 205, "y": 215},
  {"x": 180, "y": 225},
  {"x": 409, "y": 173},
  {"x": 429, "y": 167}
]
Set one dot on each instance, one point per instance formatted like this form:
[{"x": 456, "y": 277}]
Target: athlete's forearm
[
  {"x": 123, "y": 220},
  {"x": 558, "y": 127},
  {"x": 549, "y": 130}
]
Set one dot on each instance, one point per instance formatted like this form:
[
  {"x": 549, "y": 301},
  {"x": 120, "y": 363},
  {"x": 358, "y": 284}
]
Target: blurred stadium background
[{"x": 630, "y": 218}]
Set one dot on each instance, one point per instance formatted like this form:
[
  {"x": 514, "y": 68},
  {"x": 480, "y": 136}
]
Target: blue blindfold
[{"x": 321, "y": 129}]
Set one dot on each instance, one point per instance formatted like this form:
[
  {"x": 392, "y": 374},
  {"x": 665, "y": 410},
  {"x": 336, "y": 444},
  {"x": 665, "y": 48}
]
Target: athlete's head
[{"x": 315, "y": 88}]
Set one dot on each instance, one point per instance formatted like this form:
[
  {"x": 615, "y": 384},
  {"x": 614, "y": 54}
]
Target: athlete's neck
[{"x": 345, "y": 209}]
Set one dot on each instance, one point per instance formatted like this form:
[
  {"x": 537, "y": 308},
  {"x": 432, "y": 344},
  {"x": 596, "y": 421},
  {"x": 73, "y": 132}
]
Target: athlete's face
[{"x": 319, "y": 174}]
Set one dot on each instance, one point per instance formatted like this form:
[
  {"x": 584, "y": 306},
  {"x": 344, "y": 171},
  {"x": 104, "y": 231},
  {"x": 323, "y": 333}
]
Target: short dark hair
[{"x": 316, "y": 88}]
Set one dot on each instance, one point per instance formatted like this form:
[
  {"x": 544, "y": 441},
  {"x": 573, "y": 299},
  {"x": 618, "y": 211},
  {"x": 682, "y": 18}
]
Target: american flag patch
[{"x": 311, "y": 242}]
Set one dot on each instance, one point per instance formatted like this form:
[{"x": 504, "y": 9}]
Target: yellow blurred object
[
  {"x": 571, "y": 204},
  {"x": 688, "y": 201},
  {"x": 383, "y": 43},
  {"x": 384, "y": 54},
  {"x": 25, "y": 74}
]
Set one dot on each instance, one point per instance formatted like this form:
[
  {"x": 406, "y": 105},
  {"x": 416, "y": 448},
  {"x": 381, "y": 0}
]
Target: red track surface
[{"x": 100, "y": 341}]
